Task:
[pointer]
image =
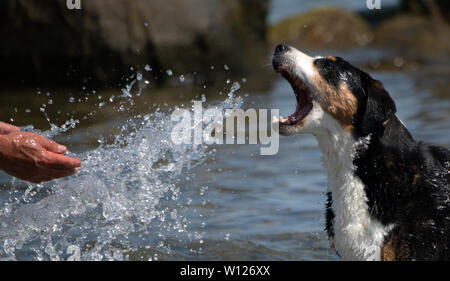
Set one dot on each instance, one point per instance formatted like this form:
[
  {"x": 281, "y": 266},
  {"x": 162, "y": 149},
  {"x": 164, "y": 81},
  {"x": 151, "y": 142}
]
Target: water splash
[{"x": 125, "y": 196}]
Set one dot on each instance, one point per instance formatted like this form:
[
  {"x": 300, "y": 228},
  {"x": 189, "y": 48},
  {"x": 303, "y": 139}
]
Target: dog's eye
[
  {"x": 329, "y": 70},
  {"x": 323, "y": 65}
]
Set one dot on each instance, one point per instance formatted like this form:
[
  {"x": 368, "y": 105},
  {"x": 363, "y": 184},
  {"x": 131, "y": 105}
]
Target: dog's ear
[{"x": 379, "y": 108}]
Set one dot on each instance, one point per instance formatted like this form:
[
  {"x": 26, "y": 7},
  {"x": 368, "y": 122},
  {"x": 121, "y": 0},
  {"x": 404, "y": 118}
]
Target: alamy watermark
[
  {"x": 373, "y": 4},
  {"x": 76, "y": 4},
  {"x": 73, "y": 4},
  {"x": 207, "y": 126}
]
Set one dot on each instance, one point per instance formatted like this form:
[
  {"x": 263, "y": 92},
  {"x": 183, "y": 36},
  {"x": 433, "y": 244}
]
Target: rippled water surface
[{"x": 139, "y": 196}]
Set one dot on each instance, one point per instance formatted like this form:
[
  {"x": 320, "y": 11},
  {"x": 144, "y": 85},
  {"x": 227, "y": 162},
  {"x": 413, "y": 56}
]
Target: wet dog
[{"x": 388, "y": 195}]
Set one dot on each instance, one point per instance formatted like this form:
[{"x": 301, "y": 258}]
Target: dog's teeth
[{"x": 280, "y": 119}]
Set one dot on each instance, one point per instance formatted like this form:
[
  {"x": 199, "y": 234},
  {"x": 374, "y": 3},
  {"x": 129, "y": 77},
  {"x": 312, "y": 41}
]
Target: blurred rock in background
[
  {"x": 326, "y": 27},
  {"x": 45, "y": 42},
  {"x": 416, "y": 32},
  {"x": 415, "y": 36},
  {"x": 434, "y": 8},
  {"x": 419, "y": 31}
]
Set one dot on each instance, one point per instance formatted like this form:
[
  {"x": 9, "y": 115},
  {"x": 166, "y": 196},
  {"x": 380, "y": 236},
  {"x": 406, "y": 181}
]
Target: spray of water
[{"x": 125, "y": 198}]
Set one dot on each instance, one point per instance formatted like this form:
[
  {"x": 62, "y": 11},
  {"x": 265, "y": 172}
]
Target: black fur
[
  {"x": 329, "y": 216},
  {"x": 375, "y": 105},
  {"x": 379, "y": 108},
  {"x": 406, "y": 182},
  {"x": 334, "y": 71}
]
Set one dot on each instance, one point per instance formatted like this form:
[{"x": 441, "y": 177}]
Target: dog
[{"x": 388, "y": 195}]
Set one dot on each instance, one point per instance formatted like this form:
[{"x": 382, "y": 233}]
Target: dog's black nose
[{"x": 281, "y": 48}]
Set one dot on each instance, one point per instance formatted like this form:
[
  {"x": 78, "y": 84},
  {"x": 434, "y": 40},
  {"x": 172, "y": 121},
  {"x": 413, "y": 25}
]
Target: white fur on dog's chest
[{"x": 357, "y": 236}]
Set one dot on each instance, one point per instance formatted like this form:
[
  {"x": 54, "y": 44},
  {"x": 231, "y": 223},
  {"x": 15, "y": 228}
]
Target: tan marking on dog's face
[
  {"x": 339, "y": 102},
  {"x": 331, "y": 58},
  {"x": 418, "y": 176},
  {"x": 377, "y": 84},
  {"x": 386, "y": 123}
]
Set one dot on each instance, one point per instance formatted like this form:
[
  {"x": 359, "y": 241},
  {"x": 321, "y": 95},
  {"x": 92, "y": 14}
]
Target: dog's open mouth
[{"x": 302, "y": 94}]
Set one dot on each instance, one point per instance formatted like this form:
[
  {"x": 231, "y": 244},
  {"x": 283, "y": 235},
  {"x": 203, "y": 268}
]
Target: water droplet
[
  {"x": 398, "y": 61},
  {"x": 127, "y": 168},
  {"x": 236, "y": 86}
]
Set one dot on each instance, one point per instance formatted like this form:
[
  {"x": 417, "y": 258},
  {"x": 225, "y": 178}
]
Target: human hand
[
  {"x": 34, "y": 158},
  {"x": 7, "y": 128}
]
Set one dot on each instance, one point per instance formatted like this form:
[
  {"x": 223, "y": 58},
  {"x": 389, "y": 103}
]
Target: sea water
[{"x": 127, "y": 193}]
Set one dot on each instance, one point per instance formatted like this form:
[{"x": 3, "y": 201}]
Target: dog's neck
[
  {"x": 338, "y": 148},
  {"x": 357, "y": 236}
]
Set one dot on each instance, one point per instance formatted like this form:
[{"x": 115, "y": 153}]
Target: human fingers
[
  {"x": 61, "y": 162},
  {"x": 38, "y": 179},
  {"x": 43, "y": 174},
  {"x": 51, "y": 145},
  {"x": 58, "y": 173}
]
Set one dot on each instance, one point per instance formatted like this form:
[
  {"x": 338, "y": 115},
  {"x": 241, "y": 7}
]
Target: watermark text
[
  {"x": 208, "y": 126},
  {"x": 73, "y": 4}
]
